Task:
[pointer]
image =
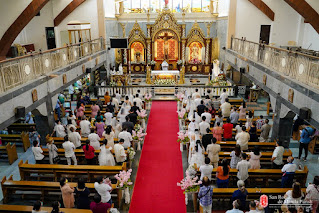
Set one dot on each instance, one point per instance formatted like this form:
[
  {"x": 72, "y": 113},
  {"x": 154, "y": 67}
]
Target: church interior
[{"x": 153, "y": 106}]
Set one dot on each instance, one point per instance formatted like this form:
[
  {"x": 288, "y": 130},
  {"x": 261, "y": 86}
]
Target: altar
[{"x": 164, "y": 74}]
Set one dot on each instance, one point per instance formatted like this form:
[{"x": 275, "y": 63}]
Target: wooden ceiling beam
[
  {"x": 67, "y": 11},
  {"x": 17, "y": 26},
  {"x": 264, "y": 8},
  {"x": 306, "y": 11}
]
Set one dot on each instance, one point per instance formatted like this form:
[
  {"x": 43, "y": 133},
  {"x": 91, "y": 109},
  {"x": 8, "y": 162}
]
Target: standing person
[
  {"x": 67, "y": 193},
  {"x": 119, "y": 152},
  {"x": 107, "y": 98},
  {"x": 288, "y": 171},
  {"x": 264, "y": 132},
  {"x": 236, "y": 206},
  {"x": 203, "y": 126},
  {"x": 228, "y": 130},
  {"x": 216, "y": 103},
  {"x": 82, "y": 193},
  {"x": 106, "y": 157},
  {"x": 225, "y": 108},
  {"x": 133, "y": 116},
  {"x": 28, "y": 118},
  {"x": 212, "y": 111},
  {"x": 103, "y": 189},
  {"x": 222, "y": 174},
  {"x": 126, "y": 136},
  {"x": 196, "y": 94},
  {"x": 255, "y": 158},
  {"x": 207, "y": 138},
  {"x": 205, "y": 196},
  {"x": 85, "y": 126},
  {"x": 53, "y": 151},
  {"x": 115, "y": 102},
  {"x": 121, "y": 116},
  {"x": 213, "y": 152},
  {"x": 99, "y": 125},
  {"x": 277, "y": 156},
  {"x": 128, "y": 124},
  {"x": 241, "y": 194},
  {"x": 34, "y": 135},
  {"x": 239, "y": 127},
  {"x": 242, "y": 111},
  {"x": 68, "y": 127},
  {"x": 94, "y": 140},
  {"x": 99, "y": 103},
  {"x": 138, "y": 101},
  {"x": 242, "y": 139},
  {"x": 192, "y": 125},
  {"x": 260, "y": 122},
  {"x": 201, "y": 108},
  {"x": 234, "y": 116},
  {"x": 243, "y": 167},
  {"x": 75, "y": 138},
  {"x": 97, "y": 206},
  {"x": 59, "y": 129},
  {"x": 208, "y": 102},
  {"x": 37, "y": 152},
  {"x": 37, "y": 207},
  {"x": 69, "y": 151},
  {"x": 207, "y": 115},
  {"x": 313, "y": 194},
  {"x": 95, "y": 108},
  {"x": 305, "y": 138},
  {"x": 223, "y": 96},
  {"x": 206, "y": 170},
  {"x": 219, "y": 118},
  {"x": 108, "y": 117},
  {"x": 89, "y": 153},
  {"x": 71, "y": 117},
  {"x": 55, "y": 207},
  {"x": 218, "y": 132},
  {"x": 80, "y": 111},
  {"x": 293, "y": 197},
  {"x": 108, "y": 134},
  {"x": 235, "y": 157},
  {"x": 253, "y": 132}
]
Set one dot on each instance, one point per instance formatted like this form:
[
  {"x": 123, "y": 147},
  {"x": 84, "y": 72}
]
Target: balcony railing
[
  {"x": 301, "y": 67},
  {"x": 17, "y": 71}
]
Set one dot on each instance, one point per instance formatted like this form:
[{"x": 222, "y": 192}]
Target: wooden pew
[
  {"x": 20, "y": 127},
  {"x": 55, "y": 172},
  {"x": 22, "y": 138},
  {"x": 236, "y": 101},
  {"x": 266, "y": 174},
  {"x": 263, "y": 146},
  {"x": 58, "y": 141},
  {"x": 11, "y": 151},
  {"x": 22, "y": 209},
  {"x": 9, "y": 186}
]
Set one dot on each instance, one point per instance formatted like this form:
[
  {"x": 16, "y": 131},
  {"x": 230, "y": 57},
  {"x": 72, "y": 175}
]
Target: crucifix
[{"x": 166, "y": 37}]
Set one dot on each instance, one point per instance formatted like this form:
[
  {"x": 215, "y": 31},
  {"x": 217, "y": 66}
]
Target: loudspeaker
[
  {"x": 304, "y": 113},
  {"x": 20, "y": 111},
  {"x": 88, "y": 70},
  {"x": 242, "y": 70}
]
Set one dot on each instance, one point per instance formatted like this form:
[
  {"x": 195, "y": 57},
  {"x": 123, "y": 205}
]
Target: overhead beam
[
  {"x": 66, "y": 11},
  {"x": 264, "y": 8},
  {"x": 17, "y": 26},
  {"x": 306, "y": 11}
]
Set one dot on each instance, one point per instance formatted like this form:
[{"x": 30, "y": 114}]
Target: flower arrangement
[
  {"x": 195, "y": 61},
  {"x": 124, "y": 179},
  {"x": 148, "y": 97},
  {"x": 182, "y": 137},
  {"x": 179, "y": 97},
  {"x": 219, "y": 81},
  {"x": 164, "y": 82},
  {"x": 182, "y": 114},
  {"x": 141, "y": 114},
  {"x": 112, "y": 84},
  {"x": 189, "y": 184},
  {"x": 131, "y": 153},
  {"x": 138, "y": 134}
]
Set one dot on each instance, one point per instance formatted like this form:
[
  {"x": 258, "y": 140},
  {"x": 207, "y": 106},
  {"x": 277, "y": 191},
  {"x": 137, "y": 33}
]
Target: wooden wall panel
[
  {"x": 66, "y": 11},
  {"x": 264, "y": 8}
]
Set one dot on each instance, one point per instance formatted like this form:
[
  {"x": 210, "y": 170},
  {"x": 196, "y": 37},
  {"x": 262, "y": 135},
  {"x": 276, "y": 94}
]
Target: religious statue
[
  {"x": 165, "y": 65},
  {"x": 166, "y": 37},
  {"x": 148, "y": 75},
  {"x": 120, "y": 69},
  {"x": 195, "y": 52}
]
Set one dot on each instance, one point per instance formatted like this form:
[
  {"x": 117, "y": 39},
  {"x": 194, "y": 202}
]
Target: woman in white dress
[
  {"x": 53, "y": 150},
  {"x": 121, "y": 116},
  {"x": 198, "y": 157},
  {"x": 108, "y": 134},
  {"x": 106, "y": 157},
  {"x": 192, "y": 143},
  {"x": 294, "y": 196}
]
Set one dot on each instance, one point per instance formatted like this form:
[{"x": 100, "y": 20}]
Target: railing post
[{"x": 231, "y": 42}]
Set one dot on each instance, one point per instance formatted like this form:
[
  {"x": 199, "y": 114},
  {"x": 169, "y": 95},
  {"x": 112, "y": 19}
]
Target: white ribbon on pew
[{"x": 139, "y": 145}]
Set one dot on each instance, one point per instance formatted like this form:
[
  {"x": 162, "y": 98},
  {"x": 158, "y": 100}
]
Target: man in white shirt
[
  {"x": 115, "y": 102},
  {"x": 277, "y": 156},
  {"x": 206, "y": 170},
  {"x": 195, "y": 94},
  {"x": 234, "y": 116},
  {"x": 69, "y": 151},
  {"x": 192, "y": 126},
  {"x": 103, "y": 189},
  {"x": 197, "y": 102},
  {"x": 118, "y": 96},
  {"x": 37, "y": 152},
  {"x": 207, "y": 115},
  {"x": 108, "y": 117},
  {"x": 59, "y": 129},
  {"x": 242, "y": 139},
  {"x": 75, "y": 138},
  {"x": 85, "y": 126},
  {"x": 288, "y": 170},
  {"x": 203, "y": 126},
  {"x": 119, "y": 152},
  {"x": 254, "y": 209},
  {"x": 213, "y": 152},
  {"x": 236, "y": 206},
  {"x": 139, "y": 102},
  {"x": 223, "y": 96},
  {"x": 243, "y": 167},
  {"x": 225, "y": 107},
  {"x": 94, "y": 140},
  {"x": 126, "y": 136}
]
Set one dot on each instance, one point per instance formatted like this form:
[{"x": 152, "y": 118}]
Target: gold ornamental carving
[
  {"x": 195, "y": 34},
  {"x": 137, "y": 34},
  {"x": 34, "y": 94},
  {"x": 215, "y": 49},
  {"x": 148, "y": 75},
  {"x": 182, "y": 75},
  {"x": 291, "y": 95}
]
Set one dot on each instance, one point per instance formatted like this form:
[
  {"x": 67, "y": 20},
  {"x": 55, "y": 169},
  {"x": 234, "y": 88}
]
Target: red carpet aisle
[{"x": 160, "y": 166}]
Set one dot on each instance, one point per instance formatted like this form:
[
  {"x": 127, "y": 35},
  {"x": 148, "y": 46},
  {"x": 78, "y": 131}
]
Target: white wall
[
  {"x": 109, "y": 8},
  {"x": 223, "y": 8},
  {"x": 287, "y": 26}
]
